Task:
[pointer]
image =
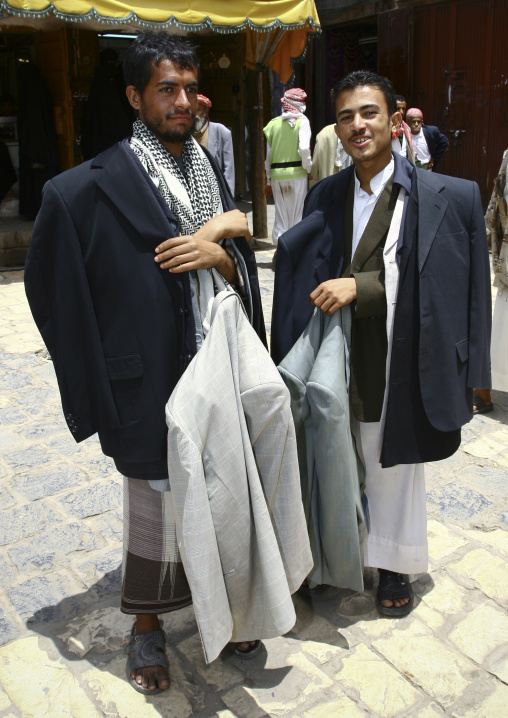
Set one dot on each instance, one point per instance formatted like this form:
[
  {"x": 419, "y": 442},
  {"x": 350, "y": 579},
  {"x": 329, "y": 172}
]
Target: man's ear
[
  {"x": 336, "y": 128},
  {"x": 396, "y": 120},
  {"x": 134, "y": 96}
]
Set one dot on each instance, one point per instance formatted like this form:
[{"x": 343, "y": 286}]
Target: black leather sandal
[
  {"x": 252, "y": 650},
  {"x": 392, "y": 586},
  {"x": 148, "y": 649},
  {"x": 481, "y": 406}
]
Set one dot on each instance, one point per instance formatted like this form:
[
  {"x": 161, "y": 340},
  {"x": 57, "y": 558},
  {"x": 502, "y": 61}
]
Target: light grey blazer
[
  {"x": 233, "y": 470},
  {"x": 220, "y": 146},
  {"x": 316, "y": 371}
]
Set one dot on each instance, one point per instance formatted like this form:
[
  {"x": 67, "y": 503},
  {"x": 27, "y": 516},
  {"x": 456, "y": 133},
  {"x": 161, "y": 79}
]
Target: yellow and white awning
[{"x": 276, "y": 30}]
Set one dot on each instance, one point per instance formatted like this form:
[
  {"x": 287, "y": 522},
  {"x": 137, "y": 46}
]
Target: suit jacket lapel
[
  {"x": 376, "y": 228},
  {"x": 122, "y": 181},
  {"x": 431, "y": 210},
  {"x": 348, "y": 226}
]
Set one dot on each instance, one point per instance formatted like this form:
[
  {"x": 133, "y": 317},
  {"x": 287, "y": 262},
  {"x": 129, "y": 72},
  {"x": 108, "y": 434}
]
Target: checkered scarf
[{"x": 193, "y": 196}]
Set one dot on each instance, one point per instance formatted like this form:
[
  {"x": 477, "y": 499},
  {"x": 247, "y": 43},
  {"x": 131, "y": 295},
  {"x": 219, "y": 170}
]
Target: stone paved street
[{"x": 62, "y": 636}]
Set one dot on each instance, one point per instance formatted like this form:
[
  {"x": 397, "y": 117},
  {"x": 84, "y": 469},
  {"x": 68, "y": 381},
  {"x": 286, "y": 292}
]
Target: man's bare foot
[
  {"x": 149, "y": 677},
  {"x": 398, "y": 602}
]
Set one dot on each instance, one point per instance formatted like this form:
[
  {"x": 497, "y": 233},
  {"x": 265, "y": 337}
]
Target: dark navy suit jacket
[
  {"x": 119, "y": 329},
  {"x": 444, "y": 226}
]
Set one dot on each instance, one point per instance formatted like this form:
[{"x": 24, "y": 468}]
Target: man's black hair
[
  {"x": 361, "y": 78},
  {"x": 400, "y": 98},
  {"x": 148, "y": 49}
]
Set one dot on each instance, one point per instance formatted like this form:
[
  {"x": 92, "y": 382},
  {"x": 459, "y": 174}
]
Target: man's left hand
[{"x": 334, "y": 294}]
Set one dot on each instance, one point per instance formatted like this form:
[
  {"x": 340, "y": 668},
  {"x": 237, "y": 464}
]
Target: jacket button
[{"x": 74, "y": 429}]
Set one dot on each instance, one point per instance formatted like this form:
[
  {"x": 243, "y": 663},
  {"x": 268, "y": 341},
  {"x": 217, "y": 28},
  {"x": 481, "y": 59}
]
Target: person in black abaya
[
  {"x": 107, "y": 116},
  {"x": 38, "y": 149}
]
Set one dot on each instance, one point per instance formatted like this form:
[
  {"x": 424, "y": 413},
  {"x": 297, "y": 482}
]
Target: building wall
[{"x": 449, "y": 59}]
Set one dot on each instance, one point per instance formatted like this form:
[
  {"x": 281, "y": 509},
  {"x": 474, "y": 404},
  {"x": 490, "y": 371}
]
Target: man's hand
[
  {"x": 225, "y": 226},
  {"x": 334, "y": 294},
  {"x": 431, "y": 163},
  {"x": 268, "y": 190},
  {"x": 188, "y": 252}
]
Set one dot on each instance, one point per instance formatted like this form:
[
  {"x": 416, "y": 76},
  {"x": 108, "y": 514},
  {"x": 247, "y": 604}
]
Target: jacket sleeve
[
  {"x": 59, "y": 296},
  {"x": 228, "y": 159},
  {"x": 441, "y": 144},
  {"x": 480, "y": 308},
  {"x": 281, "y": 330}
]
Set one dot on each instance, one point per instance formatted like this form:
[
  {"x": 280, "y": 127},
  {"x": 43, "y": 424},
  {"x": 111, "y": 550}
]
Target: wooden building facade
[{"x": 447, "y": 57}]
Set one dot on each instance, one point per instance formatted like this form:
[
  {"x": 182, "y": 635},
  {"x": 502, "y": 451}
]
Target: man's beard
[
  {"x": 200, "y": 124},
  {"x": 171, "y": 136}
]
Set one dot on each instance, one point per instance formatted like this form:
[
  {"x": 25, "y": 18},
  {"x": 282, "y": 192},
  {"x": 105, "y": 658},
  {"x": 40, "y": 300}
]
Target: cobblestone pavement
[{"x": 63, "y": 636}]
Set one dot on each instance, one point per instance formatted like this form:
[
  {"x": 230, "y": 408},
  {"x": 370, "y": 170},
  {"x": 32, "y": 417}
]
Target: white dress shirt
[
  {"x": 400, "y": 147},
  {"x": 421, "y": 148},
  {"x": 364, "y": 203}
]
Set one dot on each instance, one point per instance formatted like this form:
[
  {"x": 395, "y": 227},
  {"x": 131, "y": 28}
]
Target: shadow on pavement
[{"x": 92, "y": 629}]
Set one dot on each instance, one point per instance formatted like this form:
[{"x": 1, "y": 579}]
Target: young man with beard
[
  {"x": 217, "y": 139},
  {"x": 381, "y": 236},
  {"x": 119, "y": 279}
]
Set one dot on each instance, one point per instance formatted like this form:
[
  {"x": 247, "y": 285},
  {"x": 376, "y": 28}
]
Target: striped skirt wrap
[{"x": 153, "y": 577}]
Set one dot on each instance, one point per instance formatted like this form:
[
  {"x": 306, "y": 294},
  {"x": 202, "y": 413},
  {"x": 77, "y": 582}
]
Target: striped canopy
[{"x": 286, "y": 22}]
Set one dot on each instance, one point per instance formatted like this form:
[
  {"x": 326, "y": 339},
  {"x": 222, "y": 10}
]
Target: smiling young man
[
  {"x": 123, "y": 264},
  {"x": 381, "y": 236}
]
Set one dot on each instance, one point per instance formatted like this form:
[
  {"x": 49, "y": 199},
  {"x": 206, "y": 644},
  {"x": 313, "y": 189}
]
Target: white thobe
[{"x": 395, "y": 497}]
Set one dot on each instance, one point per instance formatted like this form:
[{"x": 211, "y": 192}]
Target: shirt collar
[
  {"x": 377, "y": 183},
  {"x": 403, "y": 172}
]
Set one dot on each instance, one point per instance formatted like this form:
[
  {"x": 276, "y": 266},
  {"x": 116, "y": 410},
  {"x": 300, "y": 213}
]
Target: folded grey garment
[{"x": 159, "y": 484}]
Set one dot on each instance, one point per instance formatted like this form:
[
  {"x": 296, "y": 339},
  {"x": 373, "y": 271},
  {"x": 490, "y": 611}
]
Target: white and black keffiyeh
[{"x": 193, "y": 197}]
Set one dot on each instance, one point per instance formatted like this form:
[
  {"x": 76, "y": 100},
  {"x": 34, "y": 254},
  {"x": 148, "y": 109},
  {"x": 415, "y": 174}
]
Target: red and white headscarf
[
  {"x": 414, "y": 112},
  {"x": 203, "y": 100},
  {"x": 294, "y": 100},
  {"x": 293, "y": 104}
]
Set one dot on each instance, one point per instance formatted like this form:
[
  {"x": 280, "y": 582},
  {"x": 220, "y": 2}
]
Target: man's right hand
[
  {"x": 268, "y": 191},
  {"x": 225, "y": 226},
  {"x": 334, "y": 294}
]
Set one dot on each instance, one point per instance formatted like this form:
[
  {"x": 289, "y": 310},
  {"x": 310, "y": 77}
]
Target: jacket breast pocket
[
  {"x": 125, "y": 372},
  {"x": 452, "y": 238}
]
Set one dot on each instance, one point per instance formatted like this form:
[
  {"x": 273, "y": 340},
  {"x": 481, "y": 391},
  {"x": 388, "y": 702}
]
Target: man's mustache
[{"x": 180, "y": 113}]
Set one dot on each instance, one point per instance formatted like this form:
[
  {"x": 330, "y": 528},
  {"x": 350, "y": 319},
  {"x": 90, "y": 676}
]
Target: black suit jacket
[
  {"x": 444, "y": 225},
  {"x": 436, "y": 141},
  {"x": 119, "y": 329}
]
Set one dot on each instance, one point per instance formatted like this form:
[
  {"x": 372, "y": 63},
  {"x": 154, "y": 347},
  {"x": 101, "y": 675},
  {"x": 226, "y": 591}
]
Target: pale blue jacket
[{"x": 316, "y": 372}]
